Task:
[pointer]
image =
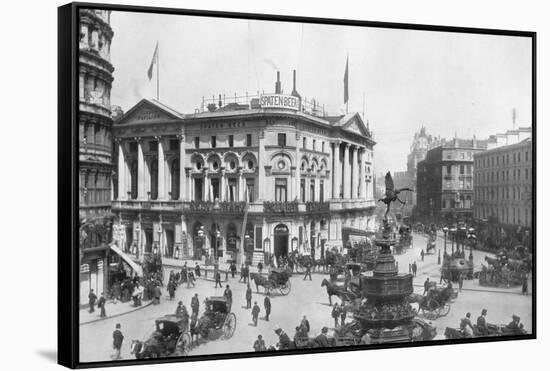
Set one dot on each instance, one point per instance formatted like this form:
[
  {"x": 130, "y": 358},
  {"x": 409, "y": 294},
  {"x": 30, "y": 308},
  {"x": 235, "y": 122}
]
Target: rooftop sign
[{"x": 280, "y": 101}]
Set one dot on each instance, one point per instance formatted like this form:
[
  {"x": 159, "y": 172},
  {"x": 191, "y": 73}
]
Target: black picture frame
[{"x": 68, "y": 325}]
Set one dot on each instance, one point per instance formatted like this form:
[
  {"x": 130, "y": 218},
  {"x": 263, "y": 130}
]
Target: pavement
[
  {"x": 112, "y": 309},
  {"x": 306, "y": 298}
]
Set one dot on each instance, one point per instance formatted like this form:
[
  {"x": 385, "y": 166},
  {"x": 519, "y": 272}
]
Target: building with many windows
[
  {"x": 445, "y": 181},
  {"x": 503, "y": 179},
  {"x": 95, "y": 148},
  {"x": 265, "y": 176}
]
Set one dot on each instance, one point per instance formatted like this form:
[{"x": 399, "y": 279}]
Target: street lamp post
[
  {"x": 472, "y": 238},
  {"x": 445, "y": 231},
  {"x": 453, "y": 238}
]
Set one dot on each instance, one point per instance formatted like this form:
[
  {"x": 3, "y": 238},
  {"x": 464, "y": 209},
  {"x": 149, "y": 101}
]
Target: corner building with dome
[{"x": 258, "y": 177}]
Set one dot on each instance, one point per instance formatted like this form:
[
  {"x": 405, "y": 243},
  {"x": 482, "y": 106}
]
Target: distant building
[
  {"x": 445, "y": 181},
  {"x": 422, "y": 142},
  {"x": 503, "y": 179}
]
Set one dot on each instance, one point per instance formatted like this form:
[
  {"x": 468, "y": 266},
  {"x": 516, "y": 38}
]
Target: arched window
[
  {"x": 133, "y": 180},
  {"x": 175, "y": 176}
]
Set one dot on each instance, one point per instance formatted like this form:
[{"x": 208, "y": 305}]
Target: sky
[{"x": 452, "y": 83}]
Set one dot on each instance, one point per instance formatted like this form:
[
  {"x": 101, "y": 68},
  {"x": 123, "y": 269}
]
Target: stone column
[
  {"x": 181, "y": 137},
  {"x": 261, "y": 169},
  {"x": 161, "y": 187},
  {"x": 241, "y": 186},
  {"x": 362, "y": 182},
  {"x": 336, "y": 175},
  {"x": 298, "y": 166},
  {"x": 223, "y": 196},
  {"x": 122, "y": 195},
  {"x": 354, "y": 173},
  {"x": 347, "y": 172},
  {"x": 206, "y": 195},
  {"x": 141, "y": 171}
]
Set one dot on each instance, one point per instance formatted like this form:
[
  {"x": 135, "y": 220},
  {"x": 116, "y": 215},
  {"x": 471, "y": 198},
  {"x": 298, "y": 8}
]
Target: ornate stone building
[
  {"x": 263, "y": 177},
  {"x": 95, "y": 148},
  {"x": 445, "y": 181}
]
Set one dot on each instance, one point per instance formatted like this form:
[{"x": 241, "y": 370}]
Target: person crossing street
[{"x": 267, "y": 306}]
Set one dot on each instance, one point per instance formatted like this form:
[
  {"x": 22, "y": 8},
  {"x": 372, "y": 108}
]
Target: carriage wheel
[
  {"x": 285, "y": 289},
  {"x": 184, "y": 344},
  {"x": 445, "y": 309},
  {"x": 431, "y": 310},
  {"x": 229, "y": 326}
]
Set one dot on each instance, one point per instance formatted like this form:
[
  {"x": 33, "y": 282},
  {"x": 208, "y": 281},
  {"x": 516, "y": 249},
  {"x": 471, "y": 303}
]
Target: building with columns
[
  {"x": 264, "y": 177},
  {"x": 95, "y": 149}
]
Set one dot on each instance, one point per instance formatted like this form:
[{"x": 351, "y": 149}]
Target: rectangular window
[
  {"x": 449, "y": 169},
  {"x": 280, "y": 190},
  {"x": 526, "y": 174},
  {"x": 198, "y": 189},
  {"x": 322, "y": 146},
  {"x": 174, "y": 144},
  {"x": 232, "y": 189},
  {"x": 304, "y": 142},
  {"x": 250, "y": 189},
  {"x": 462, "y": 155},
  {"x": 448, "y": 184},
  {"x": 461, "y": 184},
  {"x": 230, "y": 140},
  {"x": 197, "y": 142},
  {"x": 322, "y": 191},
  {"x": 249, "y": 140},
  {"x": 213, "y": 141},
  {"x": 281, "y": 140},
  {"x": 313, "y": 145},
  {"x": 303, "y": 190},
  {"x": 461, "y": 169},
  {"x": 312, "y": 190}
]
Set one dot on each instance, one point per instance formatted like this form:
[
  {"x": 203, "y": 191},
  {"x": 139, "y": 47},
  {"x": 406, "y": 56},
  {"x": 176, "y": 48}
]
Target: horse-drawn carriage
[
  {"x": 169, "y": 338},
  {"x": 494, "y": 330},
  {"x": 504, "y": 271},
  {"x": 431, "y": 245},
  {"x": 152, "y": 266},
  {"x": 436, "y": 303},
  {"x": 217, "y": 316},
  {"x": 277, "y": 280}
]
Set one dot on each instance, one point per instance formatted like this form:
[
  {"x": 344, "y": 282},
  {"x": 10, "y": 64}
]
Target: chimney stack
[
  {"x": 294, "y": 91},
  {"x": 278, "y": 83}
]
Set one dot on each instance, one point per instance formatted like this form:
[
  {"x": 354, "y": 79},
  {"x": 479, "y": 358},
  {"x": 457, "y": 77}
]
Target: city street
[{"x": 306, "y": 298}]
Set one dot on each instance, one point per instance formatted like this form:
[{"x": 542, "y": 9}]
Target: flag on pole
[
  {"x": 153, "y": 61},
  {"x": 346, "y": 83}
]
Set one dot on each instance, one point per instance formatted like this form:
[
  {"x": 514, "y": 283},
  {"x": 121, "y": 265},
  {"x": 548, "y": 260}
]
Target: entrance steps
[{"x": 257, "y": 256}]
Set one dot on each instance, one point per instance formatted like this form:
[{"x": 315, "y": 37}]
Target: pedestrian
[
  {"x": 228, "y": 295},
  {"x": 284, "y": 340},
  {"x": 218, "y": 279},
  {"x": 482, "y": 327},
  {"x": 172, "y": 289},
  {"x": 308, "y": 271},
  {"x": 156, "y": 295},
  {"x": 321, "y": 339},
  {"x": 260, "y": 267},
  {"x": 414, "y": 268},
  {"x": 335, "y": 314},
  {"x": 426, "y": 285},
  {"x": 466, "y": 326},
  {"x": 422, "y": 254},
  {"x": 305, "y": 324},
  {"x": 248, "y": 297},
  {"x": 246, "y": 273},
  {"x": 191, "y": 279},
  {"x": 343, "y": 314},
  {"x": 242, "y": 273},
  {"x": 255, "y": 313},
  {"x": 460, "y": 281},
  {"x": 92, "y": 297},
  {"x": 233, "y": 269},
  {"x": 101, "y": 304},
  {"x": 195, "y": 304},
  {"x": 184, "y": 273},
  {"x": 259, "y": 344},
  {"x": 118, "y": 338},
  {"x": 192, "y": 328},
  {"x": 524, "y": 286},
  {"x": 197, "y": 270},
  {"x": 267, "y": 306}
]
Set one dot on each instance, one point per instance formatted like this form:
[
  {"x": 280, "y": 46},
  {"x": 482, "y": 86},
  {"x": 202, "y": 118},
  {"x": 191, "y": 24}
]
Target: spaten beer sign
[{"x": 279, "y": 101}]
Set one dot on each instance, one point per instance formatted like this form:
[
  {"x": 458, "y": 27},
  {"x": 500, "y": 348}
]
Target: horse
[
  {"x": 142, "y": 350},
  {"x": 333, "y": 290},
  {"x": 260, "y": 280}
]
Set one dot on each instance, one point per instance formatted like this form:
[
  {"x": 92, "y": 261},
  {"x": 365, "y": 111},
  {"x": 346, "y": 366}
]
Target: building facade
[
  {"x": 445, "y": 181},
  {"x": 259, "y": 179},
  {"x": 95, "y": 149},
  {"x": 503, "y": 180}
]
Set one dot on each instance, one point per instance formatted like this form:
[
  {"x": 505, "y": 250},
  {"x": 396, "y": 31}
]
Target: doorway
[{"x": 280, "y": 234}]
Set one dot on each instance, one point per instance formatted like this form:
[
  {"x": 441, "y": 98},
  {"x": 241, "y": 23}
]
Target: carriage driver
[{"x": 466, "y": 326}]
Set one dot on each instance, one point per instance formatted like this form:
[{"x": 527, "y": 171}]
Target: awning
[{"x": 128, "y": 259}]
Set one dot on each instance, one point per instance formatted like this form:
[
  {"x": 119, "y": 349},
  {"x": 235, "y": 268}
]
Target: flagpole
[{"x": 158, "y": 62}]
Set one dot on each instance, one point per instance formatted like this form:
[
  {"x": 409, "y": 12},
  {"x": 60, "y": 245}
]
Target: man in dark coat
[
  {"x": 228, "y": 295},
  {"x": 117, "y": 341},
  {"x": 101, "y": 304},
  {"x": 92, "y": 297},
  {"x": 482, "y": 323},
  {"x": 218, "y": 279},
  {"x": 183, "y": 273},
  {"x": 190, "y": 279},
  {"x": 197, "y": 270},
  {"x": 414, "y": 268},
  {"x": 259, "y": 344},
  {"x": 156, "y": 294},
  {"x": 195, "y": 304},
  {"x": 284, "y": 340},
  {"x": 267, "y": 306},
  {"x": 248, "y": 297},
  {"x": 246, "y": 274},
  {"x": 233, "y": 269},
  {"x": 308, "y": 271},
  {"x": 172, "y": 289},
  {"x": 242, "y": 274},
  {"x": 305, "y": 324},
  {"x": 426, "y": 286},
  {"x": 255, "y": 313},
  {"x": 322, "y": 339},
  {"x": 336, "y": 314}
]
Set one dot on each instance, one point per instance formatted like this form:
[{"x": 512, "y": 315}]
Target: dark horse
[
  {"x": 143, "y": 350},
  {"x": 260, "y": 280},
  {"x": 334, "y": 290}
]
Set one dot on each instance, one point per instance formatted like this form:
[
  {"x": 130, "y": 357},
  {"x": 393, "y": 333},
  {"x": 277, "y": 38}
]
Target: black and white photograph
[{"x": 258, "y": 186}]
